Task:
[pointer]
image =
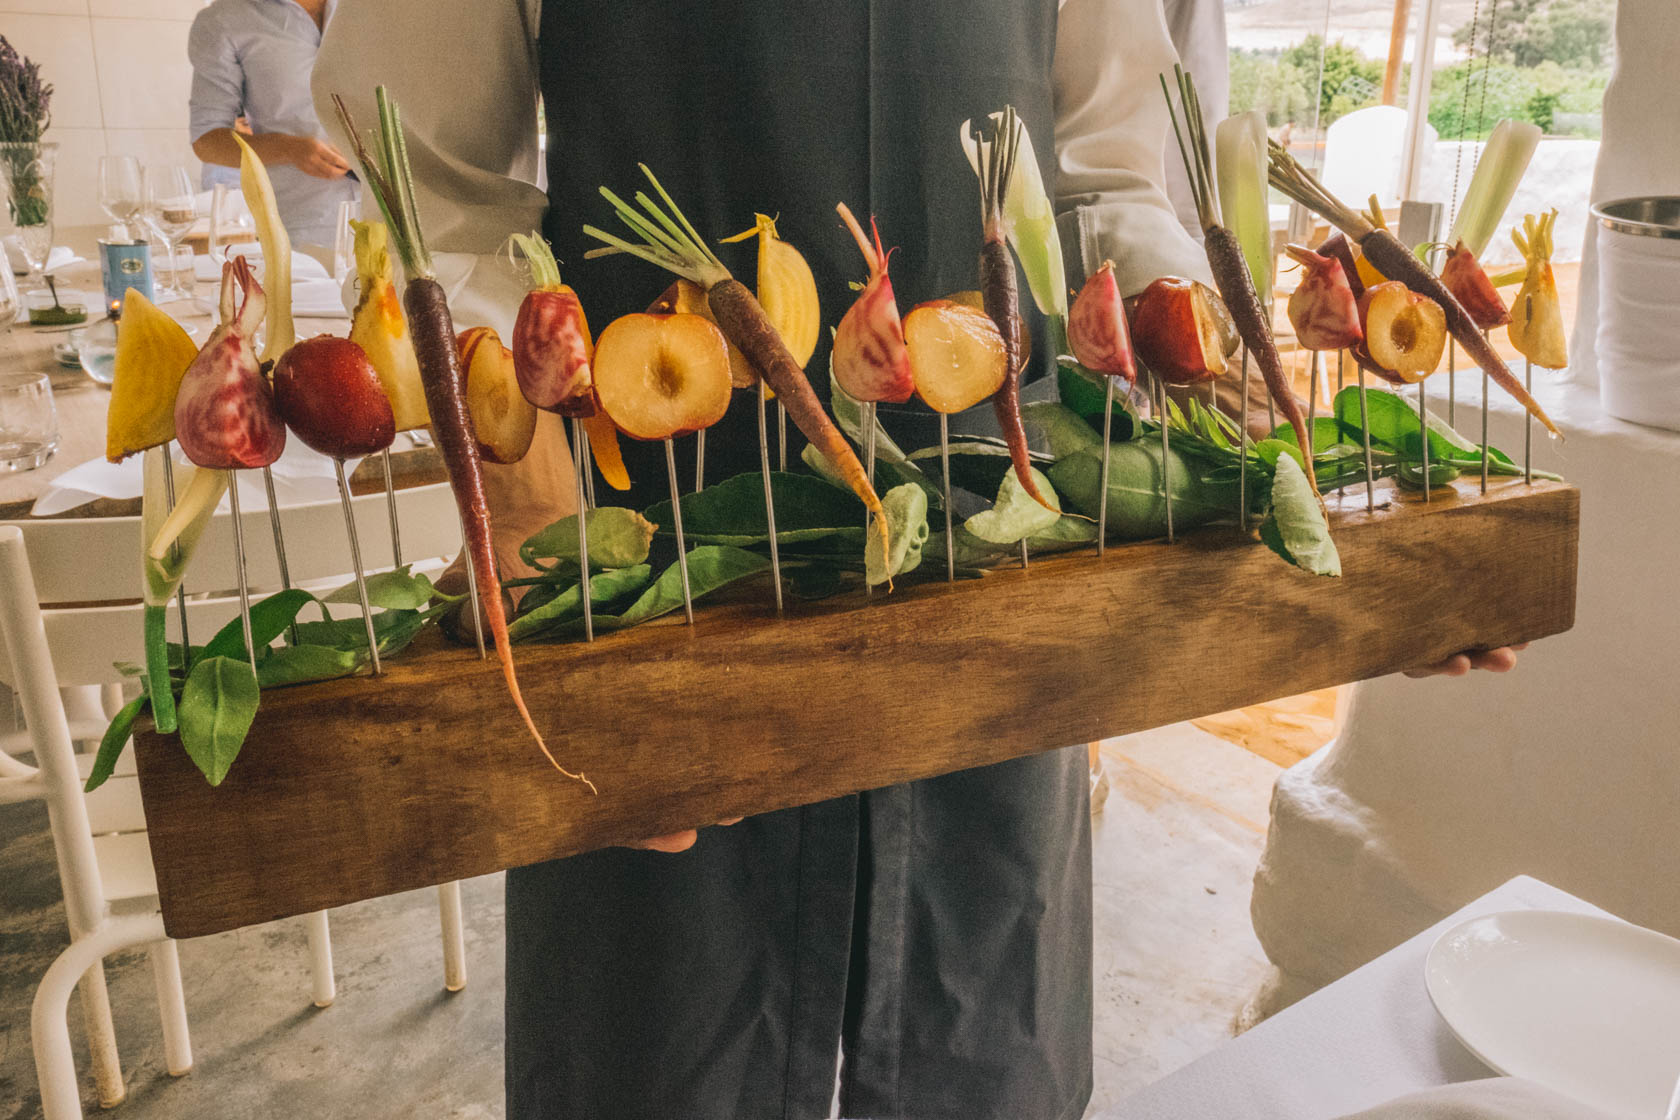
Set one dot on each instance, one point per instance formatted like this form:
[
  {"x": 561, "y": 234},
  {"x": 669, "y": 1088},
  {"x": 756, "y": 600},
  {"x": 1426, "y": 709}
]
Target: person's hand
[
  {"x": 673, "y": 842},
  {"x": 317, "y": 158},
  {"x": 1501, "y": 660}
]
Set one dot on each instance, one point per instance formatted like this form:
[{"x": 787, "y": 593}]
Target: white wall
[{"x": 120, "y": 78}]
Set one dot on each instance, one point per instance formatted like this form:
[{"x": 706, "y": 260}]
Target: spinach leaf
[
  {"x": 397, "y": 590},
  {"x": 283, "y": 665},
  {"x": 393, "y": 630},
  {"x": 710, "y": 567},
  {"x": 605, "y": 588},
  {"x": 1295, "y": 528},
  {"x": 732, "y": 512},
  {"x": 217, "y": 706},
  {"x": 978, "y": 463},
  {"x": 1136, "y": 510},
  {"x": 1064, "y": 430},
  {"x": 111, "y": 744},
  {"x": 269, "y": 619},
  {"x": 618, "y": 538}
]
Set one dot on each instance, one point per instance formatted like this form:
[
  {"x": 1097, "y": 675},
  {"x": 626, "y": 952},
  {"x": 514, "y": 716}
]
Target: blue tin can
[{"x": 125, "y": 265}]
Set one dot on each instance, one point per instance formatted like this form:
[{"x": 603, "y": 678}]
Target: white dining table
[{"x": 1368, "y": 1038}]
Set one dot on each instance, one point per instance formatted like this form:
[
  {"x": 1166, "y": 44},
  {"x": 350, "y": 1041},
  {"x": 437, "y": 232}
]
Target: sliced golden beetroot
[
  {"x": 1405, "y": 333},
  {"x": 786, "y": 289},
  {"x": 503, "y": 421},
  {"x": 1097, "y": 327},
  {"x": 1176, "y": 331},
  {"x": 603, "y": 444},
  {"x": 1537, "y": 329},
  {"x": 870, "y": 361},
  {"x": 685, "y": 297},
  {"x": 659, "y": 376},
  {"x": 330, "y": 395},
  {"x": 1469, "y": 284},
  {"x": 225, "y": 417},
  {"x": 1369, "y": 276},
  {"x": 956, "y": 354},
  {"x": 380, "y": 329},
  {"x": 1322, "y": 308},
  {"x": 552, "y": 347},
  {"x": 153, "y": 353}
]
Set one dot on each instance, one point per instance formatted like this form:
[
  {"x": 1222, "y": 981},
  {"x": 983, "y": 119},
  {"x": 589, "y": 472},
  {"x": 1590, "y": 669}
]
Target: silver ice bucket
[{"x": 1639, "y": 309}]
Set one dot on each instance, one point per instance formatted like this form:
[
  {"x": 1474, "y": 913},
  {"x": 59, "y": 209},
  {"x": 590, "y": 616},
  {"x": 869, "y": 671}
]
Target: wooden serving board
[{"x": 358, "y": 788}]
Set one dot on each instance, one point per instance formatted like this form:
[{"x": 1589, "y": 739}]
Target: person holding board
[{"x": 934, "y": 937}]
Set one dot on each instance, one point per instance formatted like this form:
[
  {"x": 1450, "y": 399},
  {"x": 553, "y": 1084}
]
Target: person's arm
[
  {"x": 218, "y": 98},
  {"x": 1111, "y": 135}
]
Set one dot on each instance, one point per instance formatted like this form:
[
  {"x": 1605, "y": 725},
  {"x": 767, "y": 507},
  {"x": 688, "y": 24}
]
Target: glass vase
[{"x": 26, "y": 170}]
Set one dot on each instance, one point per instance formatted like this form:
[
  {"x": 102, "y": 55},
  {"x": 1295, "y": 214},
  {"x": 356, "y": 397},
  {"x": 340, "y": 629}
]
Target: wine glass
[
  {"x": 170, "y": 211},
  {"x": 120, "y": 191}
]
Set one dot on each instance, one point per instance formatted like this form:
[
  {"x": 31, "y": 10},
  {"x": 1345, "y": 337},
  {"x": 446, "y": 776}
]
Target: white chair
[
  {"x": 60, "y": 664},
  {"x": 1363, "y": 152}
]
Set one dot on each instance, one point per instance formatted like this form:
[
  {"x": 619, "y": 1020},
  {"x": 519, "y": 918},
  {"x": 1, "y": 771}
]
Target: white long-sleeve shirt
[{"x": 466, "y": 78}]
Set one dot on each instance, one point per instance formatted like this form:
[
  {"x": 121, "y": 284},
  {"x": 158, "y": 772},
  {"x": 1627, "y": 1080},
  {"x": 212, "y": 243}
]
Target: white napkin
[
  {"x": 318, "y": 299},
  {"x": 59, "y": 256},
  {"x": 301, "y": 476},
  {"x": 1494, "y": 1098},
  {"x": 208, "y": 269}
]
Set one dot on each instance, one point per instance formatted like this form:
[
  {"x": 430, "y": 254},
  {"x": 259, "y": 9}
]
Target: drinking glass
[
  {"x": 27, "y": 170},
  {"x": 120, "y": 191},
  {"x": 170, "y": 211},
  {"x": 11, "y": 304},
  {"x": 28, "y": 421}
]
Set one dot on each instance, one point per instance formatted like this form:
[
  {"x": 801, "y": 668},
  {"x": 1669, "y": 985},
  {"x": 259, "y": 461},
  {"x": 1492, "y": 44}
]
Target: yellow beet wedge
[
  {"x": 786, "y": 290},
  {"x": 1536, "y": 328},
  {"x": 153, "y": 352},
  {"x": 378, "y": 327}
]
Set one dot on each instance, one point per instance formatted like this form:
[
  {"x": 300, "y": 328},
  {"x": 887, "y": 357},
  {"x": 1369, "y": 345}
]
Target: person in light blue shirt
[{"x": 254, "y": 57}]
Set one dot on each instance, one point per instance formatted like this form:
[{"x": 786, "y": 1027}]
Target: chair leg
[
  {"x": 454, "y": 937},
  {"x": 49, "y": 1021},
  {"x": 172, "y": 1008},
  {"x": 320, "y": 959},
  {"x": 102, "y": 1037}
]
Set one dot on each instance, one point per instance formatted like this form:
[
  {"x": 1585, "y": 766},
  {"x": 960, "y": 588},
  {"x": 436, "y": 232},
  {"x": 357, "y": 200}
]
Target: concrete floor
[{"x": 1175, "y": 846}]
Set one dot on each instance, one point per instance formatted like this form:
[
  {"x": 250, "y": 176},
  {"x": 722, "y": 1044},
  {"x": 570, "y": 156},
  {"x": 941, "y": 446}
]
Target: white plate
[{"x": 1587, "y": 1006}]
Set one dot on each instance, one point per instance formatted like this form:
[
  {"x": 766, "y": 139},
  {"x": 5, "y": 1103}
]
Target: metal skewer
[
  {"x": 770, "y": 501},
  {"x": 1423, "y": 434},
  {"x": 355, "y": 562},
  {"x": 868, "y": 469},
  {"x": 699, "y": 460},
  {"x": 1484, "y": 431},
  {"x": 583, "y": 531},
  {"x": 239, "y": 560},
  {"x": 1365, "y": 424},
  {"x": 1528, "y": 417},
  {"x": 175, "y": 547},
  {"x": 472, "y": 587},
  {"x": 1452, "y": 382},
  {"x": 1310, "y": 439},
  {"x": 1102, "y": 488},
  {"x": 676, "y": 523},
  {"x": 588, "y": 467},
  {"x": 279, "y": 543},
  {"x": 945, "y": 465},
  {"x": 1166, "y": 457},
  {"x": 781, "y": 436},
  {"x": 1242, "y": 438},
  {"x": 1341, "y": 374},
  {"x": 391, "y": 508}
]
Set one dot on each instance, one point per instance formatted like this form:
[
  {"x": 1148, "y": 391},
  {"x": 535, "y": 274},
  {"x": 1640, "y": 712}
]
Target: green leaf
[
  {"x": 393, "y": 630},
  {"x": 397, "y": 590},
  {"x": 1083, "y": 392},
  {"x": 1295, "y": 529},
  {"x": 217, "y": 706},
  {"x": 158, "y": 681},
  {"x": 1061, "y": 428},
  {"x": 269, "y": 619},
  {"x": 618, "y": 538},
  {"x": 978, "y": 463},
  {"x": 710, "y": 567},
  {"x": 283, "y": 665},
  {"x": 1136, "y": 510},
  {"x": 1015, "y": 514},
  {"x": 732, "y": 512},
  {"x": 111, "y": 744},
  {"x": 605, "y": 589},
  {"x": 906, "y": 510}
]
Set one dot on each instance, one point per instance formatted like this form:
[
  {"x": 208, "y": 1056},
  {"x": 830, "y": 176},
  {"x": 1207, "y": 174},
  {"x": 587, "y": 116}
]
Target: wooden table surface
[{"x": 82, "y": 402}]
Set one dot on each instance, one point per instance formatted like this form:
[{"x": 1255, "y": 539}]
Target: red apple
[
  {"x": 331, "y": 396},
  {"x": 1176, "y": 330},
  {"x": 1405, "y": 332},
  {"x": 1097, "y": 327},
  {"x": 659, "y": 376},
  {"x": 502, "y": 419},
  {"x": 956, "y": 354}
]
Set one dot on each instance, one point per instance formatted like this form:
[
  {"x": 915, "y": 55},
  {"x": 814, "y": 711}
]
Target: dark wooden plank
[{"x": 359, "y": 788}]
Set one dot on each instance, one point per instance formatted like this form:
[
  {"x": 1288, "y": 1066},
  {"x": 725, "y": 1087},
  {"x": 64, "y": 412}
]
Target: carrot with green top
[
  {"x": 433, "y": 332},
  {"x": 664, "y": 237}
]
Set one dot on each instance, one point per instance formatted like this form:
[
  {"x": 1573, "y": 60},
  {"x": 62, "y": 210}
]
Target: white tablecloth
[
  {"x": 1567, "y": 769},
  {"x": 1368, "y": 1038}
]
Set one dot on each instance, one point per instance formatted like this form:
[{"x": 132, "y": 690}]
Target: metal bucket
[{"x": 1639, "y": 309}]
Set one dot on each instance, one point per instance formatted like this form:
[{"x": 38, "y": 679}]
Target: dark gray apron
[{"x": 940, "y": 931}]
